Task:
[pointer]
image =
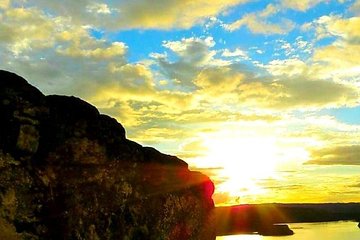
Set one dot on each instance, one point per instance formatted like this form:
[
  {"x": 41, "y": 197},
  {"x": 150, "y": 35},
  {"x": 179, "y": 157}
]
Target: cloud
[
  {"x": 236, "y": 53},
  {"x": 219, "y": 80},
  {"x": 170, "y": 14},
  {"x": 197, "y": 145},
  {"x": 302, "y": 5},
  {"x": 133, "y": 77},
  {"x": 99, "y": 8},
  {"x": 192, "y": 50},
  {"x": 4, "y": 4},
  {"x": 74, "y": 63},
  {"x": 193, "y": 148},
  {"x": 209, "y": 86},
  {"x": 292, "y": 83},
  {"x": 312, "y": 83},
  {"x": 345, "y": 28},
  {"x": 288, "y": 88},
  {"x": 190, "y": 66},
  {"x": 25, "y": 29},
  {"x": 339, "y": 60},
  {"x": 114, "y": 49},
  {"x": 205, "y": 86},
  {"x": 287, "y": 67},
  {"x": 81, "y": 12},
  {"x": 310, "y": 93},
  {"x": 261, "y": 26},
  {"x": 192, "y": 54},
  {"x": 356, "y": 7},
  {"x": 28, "y": 29},
  {"x": 139, "y": 14},
  {"x": 270, "y": 10},
  {"x": 258, "y": 23},
  {"x": 337, "y": 155},
  {"x": 318, "y": 133},
  {"x": 60, "y": 56}
]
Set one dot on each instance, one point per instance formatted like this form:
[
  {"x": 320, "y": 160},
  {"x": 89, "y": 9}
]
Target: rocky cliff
[{"x": 68, "y": 172}]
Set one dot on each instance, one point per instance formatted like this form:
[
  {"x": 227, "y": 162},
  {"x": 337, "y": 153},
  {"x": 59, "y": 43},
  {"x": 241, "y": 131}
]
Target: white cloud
[
  {"x": 288, "y": 67},
  {"x": 236, "y": 53},
  {"x": 100, "y": 8},
  {"x": 195, "y": 50}
]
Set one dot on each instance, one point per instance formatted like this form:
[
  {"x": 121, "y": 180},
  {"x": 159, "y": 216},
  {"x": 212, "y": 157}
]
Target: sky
[{"x": 262, "y": 96}]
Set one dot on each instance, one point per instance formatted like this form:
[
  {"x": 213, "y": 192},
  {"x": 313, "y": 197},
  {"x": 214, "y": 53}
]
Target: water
[{"x": 310, "y": 231}]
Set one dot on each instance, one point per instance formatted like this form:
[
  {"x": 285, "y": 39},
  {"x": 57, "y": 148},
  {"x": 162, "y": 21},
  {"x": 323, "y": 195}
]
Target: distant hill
[{"x": 255, "y": 217}]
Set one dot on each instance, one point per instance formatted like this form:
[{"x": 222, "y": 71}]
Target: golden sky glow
[{"x": 263, "y": 96}]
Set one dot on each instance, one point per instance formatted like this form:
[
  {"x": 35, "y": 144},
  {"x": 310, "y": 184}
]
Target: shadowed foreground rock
[{"x": 68, "y": 172}]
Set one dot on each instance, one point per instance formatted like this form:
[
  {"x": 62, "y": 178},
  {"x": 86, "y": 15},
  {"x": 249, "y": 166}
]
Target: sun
[{"x": 243, "y": 161}]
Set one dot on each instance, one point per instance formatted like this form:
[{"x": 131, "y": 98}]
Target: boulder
[{"x": 69, "y": 172}]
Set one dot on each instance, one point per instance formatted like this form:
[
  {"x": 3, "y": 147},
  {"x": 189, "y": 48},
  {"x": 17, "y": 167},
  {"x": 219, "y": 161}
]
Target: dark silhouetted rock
[
  {"x": 275, "y": 230},
  {"x": 68, "y": 172}
]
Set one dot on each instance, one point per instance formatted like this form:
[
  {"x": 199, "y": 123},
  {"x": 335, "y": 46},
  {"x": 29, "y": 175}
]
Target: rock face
[{"x": 68, "y": 172}]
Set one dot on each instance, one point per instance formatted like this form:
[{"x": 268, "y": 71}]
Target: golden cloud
[
  {"x": 339, "y": 60},
  {"x": 140, "y": 14},
  {"x": 194, "y": 145},
  {"x": 218, "y": 80},
  {"x": 302, "y": 5},
  {"x": 4, "y": 4},
  {"x": 115, "y": 49},
  {"x": 257, "y": 22},
  {"x": 313, "y": 93},
  {"x": 26, "y": 29},
  {"x": 290, "y": 89},
  {"x": 339, "y": 57},
  {"x": 171, "y": 13},
  {"x": 261, "y": 26},
  {"x": 348, "y": 28},
  {"x": 337, "y": 155}
]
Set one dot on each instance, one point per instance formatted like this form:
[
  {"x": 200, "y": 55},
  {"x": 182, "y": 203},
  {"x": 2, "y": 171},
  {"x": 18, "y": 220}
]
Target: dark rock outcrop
[
  {"x": 68, "y": 172},
  {"x": 275, "y": 230}
]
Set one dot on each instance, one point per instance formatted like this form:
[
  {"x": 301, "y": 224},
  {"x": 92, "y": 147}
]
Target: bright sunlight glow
[{"x": 243, "y": 161}]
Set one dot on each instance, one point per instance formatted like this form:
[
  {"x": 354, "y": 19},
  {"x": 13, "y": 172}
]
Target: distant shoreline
[
  {"x": 263, "y": 219},
  {"x": 309, "y": 231}
]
